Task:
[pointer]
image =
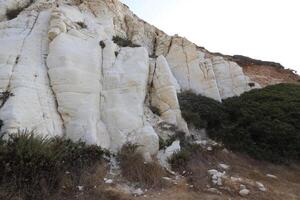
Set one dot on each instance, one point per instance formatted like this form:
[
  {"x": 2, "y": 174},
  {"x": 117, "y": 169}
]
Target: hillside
[{"x": 96, "y": 103}]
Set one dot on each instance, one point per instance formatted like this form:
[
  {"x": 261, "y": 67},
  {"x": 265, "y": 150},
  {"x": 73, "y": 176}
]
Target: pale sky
[{"x": 261, "y": 29}]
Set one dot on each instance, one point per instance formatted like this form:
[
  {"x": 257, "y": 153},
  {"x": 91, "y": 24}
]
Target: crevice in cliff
[
  {"x": 154, "y": 72},
  {"x": 187, "y": 64},
  {"x": 170, "y": 45},
  {"x": 153, "y": 55},
  {"x": 204, "y": 70},
  {"x": 127, "y": 27},
  {"x": 8, "y": 88},
  {"x": 54, "y": 97},
  {"x": 56, "y": 102},
  {"x": 151, "y": 84},
  {"x": 101, "y": 79},
  {"x": 4, "y": 97}
]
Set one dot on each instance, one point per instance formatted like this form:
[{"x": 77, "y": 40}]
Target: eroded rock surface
[{"x": 68, "y": 78}]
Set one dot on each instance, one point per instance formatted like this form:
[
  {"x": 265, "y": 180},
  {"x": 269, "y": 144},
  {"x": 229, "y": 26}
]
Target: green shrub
[
  {"x": 264, "y": 123},
  {"x": 179, "y": 160},
  {"x": 102, "y": 44},
  {"x": 13, "y": 13},
  {"x": 177, "y": 135},
  {"x": 81, "y": 25},
  {"x": 123, "y": 42},
  {"x": 202, "y": 111},
  {"x": 31, "y": 165}
]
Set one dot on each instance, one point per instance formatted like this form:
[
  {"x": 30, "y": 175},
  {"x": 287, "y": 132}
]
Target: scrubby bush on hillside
[
  {"x": 264, "y": 123},
  {"x": 32, "y": 166},
  {"x": 135, "y": 169},
  {"x": 179, "y": 160},
  {"x": 124, "y": 42}
]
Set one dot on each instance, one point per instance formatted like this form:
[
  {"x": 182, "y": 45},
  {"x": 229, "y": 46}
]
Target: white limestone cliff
[{"x": 68, "y": 78}]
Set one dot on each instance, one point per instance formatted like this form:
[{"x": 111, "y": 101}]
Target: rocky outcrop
[
  {"x": 68, "y": 78},
  {"x": 263, "y": 72},
  {"x": 268, "y": 75},
  {"x": 164, "y": 88}
]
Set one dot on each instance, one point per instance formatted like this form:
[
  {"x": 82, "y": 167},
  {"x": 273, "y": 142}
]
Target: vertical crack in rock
[
  {"x": 4, "y": 97},
  {"x": 151, "y": 85},
  {"x": 187, "y": 64},
  {"x": 154, "y": 73},
  {"x": 154, "y": 45},
  {"x": 164, "y": 94},
  {"x": 55, "y": 100},
  {"x": 21, "y": 50},
  {"x": 204, "y": 70},
  {"x": 128, "y": 34},
  {"x": 169, "y": 47},
  {"x": 101, "y": 96},
  {"x": 53, "y": 93}
]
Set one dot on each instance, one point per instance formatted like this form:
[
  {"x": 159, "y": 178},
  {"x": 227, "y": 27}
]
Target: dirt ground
[
  {"x": 194, "y": 186},
  {"x": 194, "y": 183}
]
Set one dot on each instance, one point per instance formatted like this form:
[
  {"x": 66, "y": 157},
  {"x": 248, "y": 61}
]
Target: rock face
[{"x": 68, "y": 78}]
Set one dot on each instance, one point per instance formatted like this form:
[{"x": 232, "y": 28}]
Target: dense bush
[
  {"x": 31, "y": 165},
  {"x": 13, "y": 13},
  {"x": 264, "y": 123},
  {"x": 123, "y": 42},
  {"x": 202, "y": 111}
]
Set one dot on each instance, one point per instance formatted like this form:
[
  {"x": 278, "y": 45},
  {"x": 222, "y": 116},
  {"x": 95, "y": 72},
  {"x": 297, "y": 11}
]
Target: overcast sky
[{"x": 262, "y": 29}]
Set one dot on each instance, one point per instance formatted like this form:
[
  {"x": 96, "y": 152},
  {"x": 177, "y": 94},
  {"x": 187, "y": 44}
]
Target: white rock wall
[
  {"x": 164, "y": 88},
  {"x": 124, "y": 92},
  {"x": 23, "y": 47},
  {"x": 68, "y": 78}
]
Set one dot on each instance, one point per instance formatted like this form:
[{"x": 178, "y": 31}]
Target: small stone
[
  {"x": 214, "y": 190},
  {"x": 138, "y": 192},
  {"x": 213, "y": 143},
  {"x": 212, "y": 171},
  {"x": 209, "y": 149},
  {"x": 167, "y": 178},
  {"x": 108, "y": 181},
  {"x": 242, "y": 187},
  {"x": 260, "y": 186},
  {"x": 225, "y": 150},
  {"x": 272, "y": 176},
  {"x": 224, "y": 166},
  {"x": 236, "y": 179},
  {"x": 244, "y": 192},
  {"x": 80, "y": 188}
]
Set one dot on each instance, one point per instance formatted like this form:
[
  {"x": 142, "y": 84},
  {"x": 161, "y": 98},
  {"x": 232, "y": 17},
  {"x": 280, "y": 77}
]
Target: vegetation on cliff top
[{"x": 264, "y": 123}]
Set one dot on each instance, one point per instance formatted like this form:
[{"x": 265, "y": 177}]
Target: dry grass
[
  {"x": 93, "y": 187},
  {"x": 135, "y": 169}
]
